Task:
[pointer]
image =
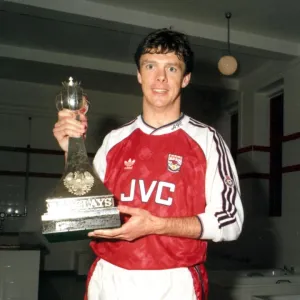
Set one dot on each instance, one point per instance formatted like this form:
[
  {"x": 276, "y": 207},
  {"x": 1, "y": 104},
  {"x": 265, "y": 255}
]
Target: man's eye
[
  {"x": 149, "y": 66},
  {"x": 172, "y": 69}
]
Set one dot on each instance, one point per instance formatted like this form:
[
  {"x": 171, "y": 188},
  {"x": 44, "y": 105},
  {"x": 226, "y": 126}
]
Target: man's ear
[
  {"x": 139, "y": 77},
  {"x": 186, "y": 80}
]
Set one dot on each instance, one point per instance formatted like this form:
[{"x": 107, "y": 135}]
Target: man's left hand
[{"x": 140, "y": 223}]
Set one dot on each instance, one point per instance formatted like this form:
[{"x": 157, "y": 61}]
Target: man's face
[{"x": 162, "y": 77}]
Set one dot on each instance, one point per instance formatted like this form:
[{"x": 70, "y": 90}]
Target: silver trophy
[{"x": 80, "y": 202}]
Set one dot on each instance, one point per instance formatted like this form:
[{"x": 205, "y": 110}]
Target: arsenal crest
[{"x": 174, "y": 163}]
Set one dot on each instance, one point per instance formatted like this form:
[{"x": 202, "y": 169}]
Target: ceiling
[
  {"x": 274, "y": 18},
  {"x": 45, "y": 41}
]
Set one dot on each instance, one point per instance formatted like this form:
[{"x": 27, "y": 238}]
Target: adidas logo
[{"x": 129, "y": 164}]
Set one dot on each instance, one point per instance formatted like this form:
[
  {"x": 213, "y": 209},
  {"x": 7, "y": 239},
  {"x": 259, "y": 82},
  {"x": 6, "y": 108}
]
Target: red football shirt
[{"x": 168, "y": 172}]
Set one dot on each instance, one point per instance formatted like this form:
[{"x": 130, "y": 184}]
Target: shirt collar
[{"x": 167, "y": 128}]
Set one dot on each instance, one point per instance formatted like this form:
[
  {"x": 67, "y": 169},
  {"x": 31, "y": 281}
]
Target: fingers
[
  {"x": 61, "y": 132},
  {"x": 68, "y": 126},
  {"x": 107, "y": 233},
  {"x": 121, "y": 233},
  {"x": 69, "y": 114},
  {"x": 68, "y": 129},
  {"x": 71, "y": 124}
]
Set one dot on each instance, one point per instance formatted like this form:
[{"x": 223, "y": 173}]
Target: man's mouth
[{"x": 161, "y": 91}]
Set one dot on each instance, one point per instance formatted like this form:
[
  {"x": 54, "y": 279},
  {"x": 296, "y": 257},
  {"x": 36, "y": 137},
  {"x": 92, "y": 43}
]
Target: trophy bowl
[{"x": 72, "y": 97}]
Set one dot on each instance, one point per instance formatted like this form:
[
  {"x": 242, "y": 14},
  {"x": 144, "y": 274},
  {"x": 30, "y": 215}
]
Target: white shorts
[{"x": 109, "y": 282}]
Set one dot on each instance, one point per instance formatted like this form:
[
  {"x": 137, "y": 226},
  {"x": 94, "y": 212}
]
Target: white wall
[
  {"x": 290, "y": 229},
  {"x": 269, "y": 240}
]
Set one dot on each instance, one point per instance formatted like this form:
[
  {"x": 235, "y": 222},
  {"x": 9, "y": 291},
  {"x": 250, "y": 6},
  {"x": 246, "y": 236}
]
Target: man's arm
[
  {"x": 224, "y": 216},
  {"x": 189, "y": 227}
]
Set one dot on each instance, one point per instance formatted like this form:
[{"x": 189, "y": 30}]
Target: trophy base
[{"x": 77, "y": 227}]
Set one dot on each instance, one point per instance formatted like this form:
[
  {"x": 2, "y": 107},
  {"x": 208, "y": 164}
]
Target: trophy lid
[
  {"x": 72, "y": 97},
  {"x": 70, "y": 83}
]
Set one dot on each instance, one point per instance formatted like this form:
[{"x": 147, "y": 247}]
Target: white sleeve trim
[{"x": 210, "y": 227}]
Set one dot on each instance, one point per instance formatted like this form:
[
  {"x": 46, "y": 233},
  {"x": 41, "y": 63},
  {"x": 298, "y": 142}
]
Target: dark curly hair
[{"x": 163, "y": 41}]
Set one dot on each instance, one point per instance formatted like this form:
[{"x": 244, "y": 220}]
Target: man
[{"x": 174, "y": 180}]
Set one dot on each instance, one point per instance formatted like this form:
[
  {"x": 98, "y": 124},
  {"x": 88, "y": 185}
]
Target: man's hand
[
  {"x": 67, "y": 126},
  {"x": 141, "y": 223}
]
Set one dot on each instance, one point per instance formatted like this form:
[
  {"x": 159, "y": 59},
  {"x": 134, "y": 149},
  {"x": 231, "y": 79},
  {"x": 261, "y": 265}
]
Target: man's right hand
[{"x": 67, "y": 126}]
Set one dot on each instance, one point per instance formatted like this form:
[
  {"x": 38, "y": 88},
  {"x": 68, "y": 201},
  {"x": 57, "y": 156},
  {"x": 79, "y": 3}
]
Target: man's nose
[{"x": 161, "y": 75}]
